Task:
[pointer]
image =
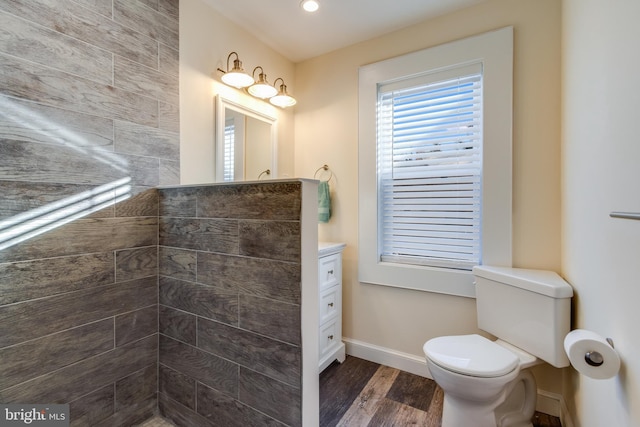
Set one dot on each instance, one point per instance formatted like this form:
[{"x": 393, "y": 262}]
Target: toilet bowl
[
  {"x": 485, "y": 383},
  {"x": 488, "y": 383}
]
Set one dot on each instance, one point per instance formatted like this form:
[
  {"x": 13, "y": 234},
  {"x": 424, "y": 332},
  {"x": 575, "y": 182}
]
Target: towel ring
[{"x": 323, "y": 168}]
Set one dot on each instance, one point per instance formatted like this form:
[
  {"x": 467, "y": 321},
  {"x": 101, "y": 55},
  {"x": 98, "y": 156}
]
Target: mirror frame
[{"x": 223, "y": 103}]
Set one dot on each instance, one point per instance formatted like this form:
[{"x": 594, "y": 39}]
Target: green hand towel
[{"x": 324, "y": 202}]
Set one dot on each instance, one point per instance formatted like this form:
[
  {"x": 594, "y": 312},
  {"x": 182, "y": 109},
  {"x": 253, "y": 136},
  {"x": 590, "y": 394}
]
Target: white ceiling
[{"x": 300, "y": 35}]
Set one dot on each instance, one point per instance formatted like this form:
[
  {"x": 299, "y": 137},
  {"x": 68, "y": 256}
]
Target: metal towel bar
[{"x": 625, "y": 215}]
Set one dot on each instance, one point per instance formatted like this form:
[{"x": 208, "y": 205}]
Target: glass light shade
[
  {"x": 310, "y": 5},
  {"x": 237, "y": 77},
  {"x": 262, "y": 88},
  {"x": 283, "y": 101}
]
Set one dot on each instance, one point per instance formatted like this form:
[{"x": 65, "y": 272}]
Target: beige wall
[
  {"x": 600, "y": 164},
  {"x": 206, "y": 39},
  {"x": 326, "y": 131}
]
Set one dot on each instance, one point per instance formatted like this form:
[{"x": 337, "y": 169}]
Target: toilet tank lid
[{"x": 539, "y": 281}]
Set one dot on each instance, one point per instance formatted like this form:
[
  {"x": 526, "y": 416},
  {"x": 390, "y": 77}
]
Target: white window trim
[{"x": 495, "y": 51}]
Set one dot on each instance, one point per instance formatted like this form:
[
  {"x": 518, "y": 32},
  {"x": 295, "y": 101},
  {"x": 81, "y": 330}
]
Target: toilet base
[{"x": 514, "y": 407}]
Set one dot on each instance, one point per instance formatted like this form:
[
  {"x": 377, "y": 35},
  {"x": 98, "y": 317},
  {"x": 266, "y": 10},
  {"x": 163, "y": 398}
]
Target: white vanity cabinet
[{"x": 331, "y": 346}]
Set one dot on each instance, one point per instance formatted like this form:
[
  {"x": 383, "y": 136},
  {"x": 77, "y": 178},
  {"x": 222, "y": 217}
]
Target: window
[
  {"x": 229, "y": 150},
  {"x": 429, "y": 170},
  {"x": 435, "y": 158}
]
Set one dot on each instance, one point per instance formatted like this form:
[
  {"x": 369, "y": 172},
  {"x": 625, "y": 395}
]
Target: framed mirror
[{"x": 246, "y": 143}]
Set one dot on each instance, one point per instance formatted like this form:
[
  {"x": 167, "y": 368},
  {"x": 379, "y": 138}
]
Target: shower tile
[
  {"x": 169, "y": 119},
  {"x": 223, "y": 410},
  {"x": 28, "y": 199},
  {"x": 276, "y": 399},
  {"x": 169, "y": 172},
  {"x": 213, "y": 235},
  {"x": 177, "y": 263},
  {"x": 271, "y": 318},
  {"x": 177, "y": 324},
  {"x": 259, "y": 277},
  {"x": 43, "y": 46},
  {"x": 131, "y": 138},
  {"x": 41, "y": 356},
  {"x": 34, "y": 319},
  {"x": 209, "y": 369},
  {"x": 100, "y": 6},
  {"x": 169, "y": 8},
  {"x": 50, "y": 125},
  {"x": 206, "y": 301},
  {"x": 273, "y": 201},
  {"x": 169, "y": 62},
  {"x": 136, "y": 263},
  {"x": 256, "y": 239},
  {"x": 39, "y": 83},
  {"x": 79, "y": 379},
  {"x": 181, "y": 415},
  {"x": 137, "y": 387},
  {"x": 157, "y": 25},
  {"x": 84, "y": 24},
  {"x": 142, "y": 201},
  {"x": 132, "y": 415},
  {"x": 27, "y": 280},
  {"x": 136, "y": 324},
  {"x": 177, "y": 202},
  {"x": 72, "y": 165},
  {"x": 144, "y": 81},
  {"x": 92, "y": 408},
  {"x": 177, "y": 386},
  {"x": 273, "y": 358},
  {"x": 86, "y": 236}
]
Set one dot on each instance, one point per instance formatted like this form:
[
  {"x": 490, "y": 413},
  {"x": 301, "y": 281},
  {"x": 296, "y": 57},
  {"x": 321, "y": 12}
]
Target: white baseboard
[
  {"x": 547, "y": 403},
  {"x": 388, "y": 357}
]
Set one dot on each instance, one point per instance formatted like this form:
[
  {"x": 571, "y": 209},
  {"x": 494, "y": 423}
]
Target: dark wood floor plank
[
  {"x": 412, "y": 390},
  {"x": 410, "y": 400},
  {"x": 369, "y": 401},
  {"x": 340, "y": 384}
]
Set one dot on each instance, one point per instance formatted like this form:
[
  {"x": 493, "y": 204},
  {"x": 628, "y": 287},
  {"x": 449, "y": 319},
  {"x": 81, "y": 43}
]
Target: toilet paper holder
[{"x": 594, "y": 358}]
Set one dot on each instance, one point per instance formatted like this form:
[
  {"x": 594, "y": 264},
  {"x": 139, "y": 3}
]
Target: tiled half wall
[{"x": 230, "y": 304}]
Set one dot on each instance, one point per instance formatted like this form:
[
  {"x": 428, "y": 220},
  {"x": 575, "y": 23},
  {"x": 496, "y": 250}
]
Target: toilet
[{"x": 488, "y": 383}]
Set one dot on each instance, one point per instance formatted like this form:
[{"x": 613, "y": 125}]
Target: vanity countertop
[{"x": 327, "y": 248}]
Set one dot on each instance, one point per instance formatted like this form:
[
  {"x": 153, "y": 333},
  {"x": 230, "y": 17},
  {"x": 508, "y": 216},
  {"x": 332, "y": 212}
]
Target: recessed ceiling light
[{"x": 310, "y": 5}]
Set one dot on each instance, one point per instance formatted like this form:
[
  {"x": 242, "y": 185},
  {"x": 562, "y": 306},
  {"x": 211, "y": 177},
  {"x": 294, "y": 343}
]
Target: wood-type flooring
[{"x": 359, "y": 393}]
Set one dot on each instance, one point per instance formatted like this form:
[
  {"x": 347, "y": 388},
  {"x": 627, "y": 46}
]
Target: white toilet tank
[{"x": 530, "y": 309}]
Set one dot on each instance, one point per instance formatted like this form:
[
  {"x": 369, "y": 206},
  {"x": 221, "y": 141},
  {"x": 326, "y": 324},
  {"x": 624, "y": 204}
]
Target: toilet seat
[{"x": 471, "y": 355}]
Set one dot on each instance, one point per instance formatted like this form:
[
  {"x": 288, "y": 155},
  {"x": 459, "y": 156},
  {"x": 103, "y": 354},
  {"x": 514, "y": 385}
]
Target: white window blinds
[
  {"x": 229, "y": 150},
  {"x": 430, "y": 169}
]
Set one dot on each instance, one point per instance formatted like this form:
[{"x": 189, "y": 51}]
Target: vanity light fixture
[
  {"x": 236, "y": 76},
  {"x": 310, "y": 5},
  {"x": 282, "y": 99},
  {"x": 261, "y": 88}
]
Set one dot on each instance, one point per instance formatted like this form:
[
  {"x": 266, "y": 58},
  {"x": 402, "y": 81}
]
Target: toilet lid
[{"x": 472, "y": 355}]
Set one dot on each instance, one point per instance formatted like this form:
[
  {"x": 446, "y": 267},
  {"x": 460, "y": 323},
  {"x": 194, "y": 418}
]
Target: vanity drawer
[
  {"x": 329, "y": 271},
  {"x": 329, "y": 337},
  {"x": 330, "y": 303}
]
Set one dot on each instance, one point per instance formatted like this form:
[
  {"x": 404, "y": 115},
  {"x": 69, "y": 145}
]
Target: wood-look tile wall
[
  {"x": 88, "y": 113},
  {"x": 230, "y": 294}
]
